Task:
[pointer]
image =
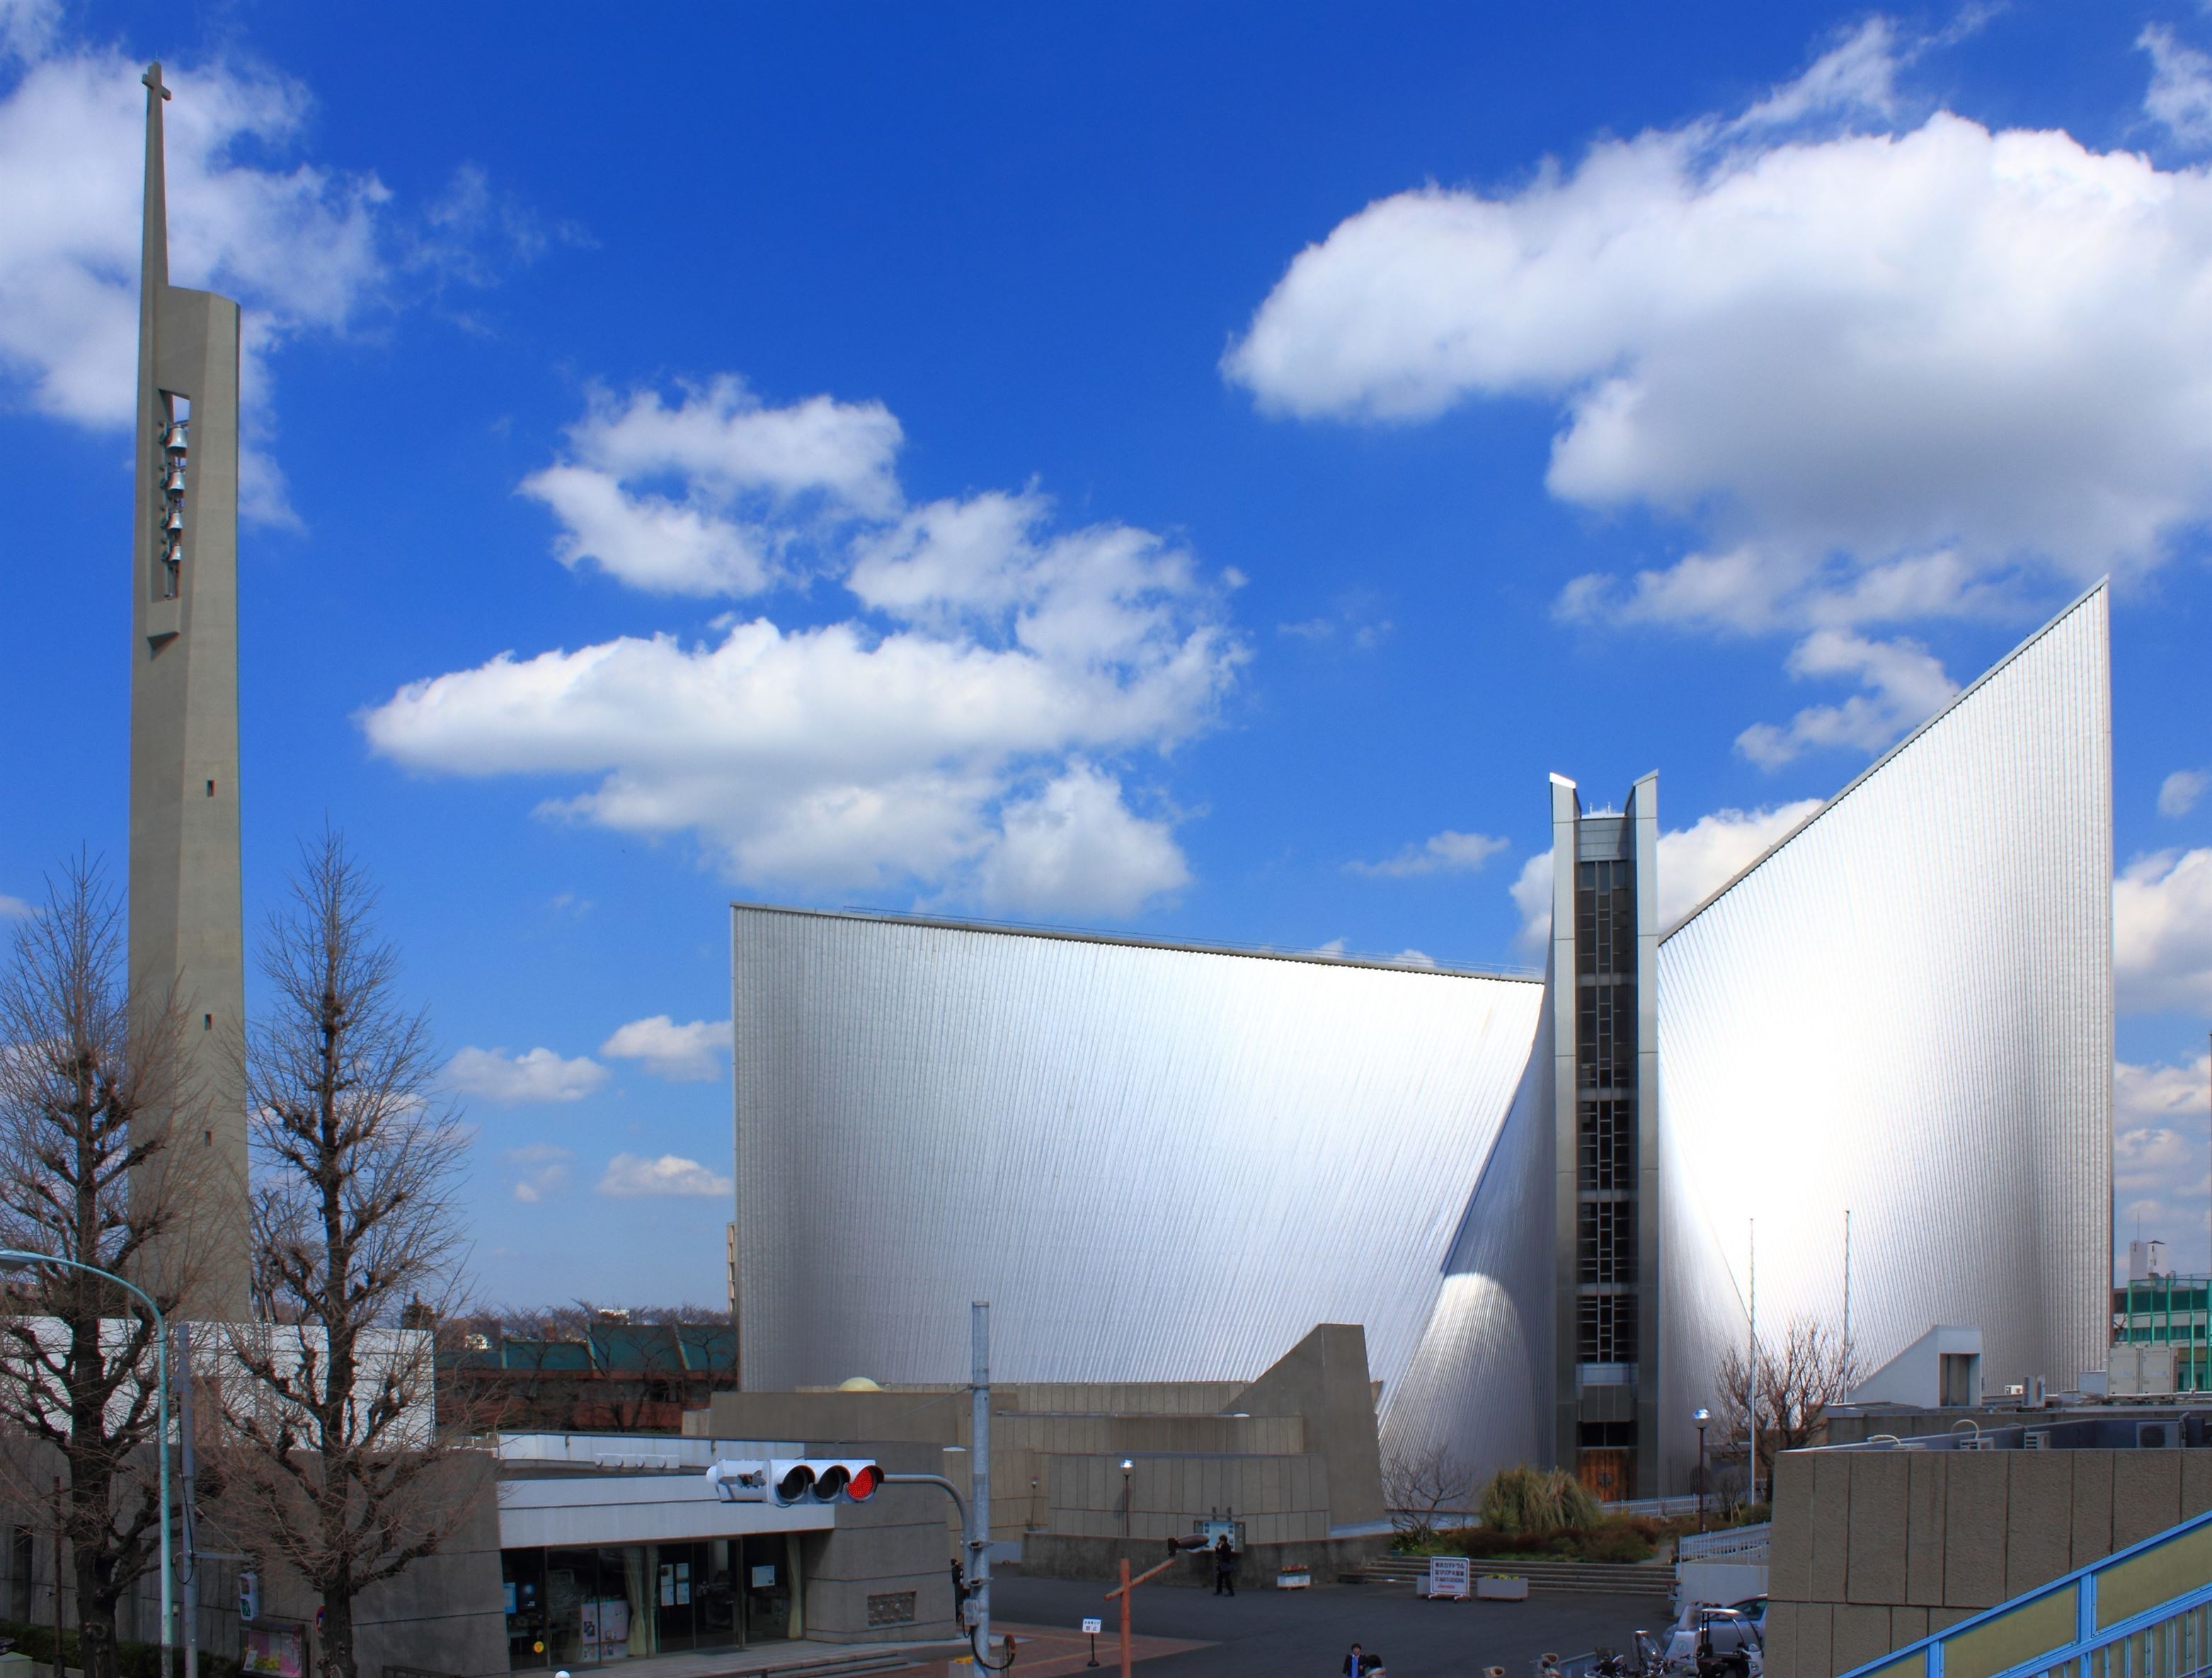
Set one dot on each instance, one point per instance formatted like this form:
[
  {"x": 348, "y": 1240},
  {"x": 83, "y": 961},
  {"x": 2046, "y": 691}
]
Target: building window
[
  {"x": 1607, "y": 1328},
  {"x": 1606, "y": 1246},
  {"x": 169, "y": 506},
  {"x": 1608, "y": 1144}
]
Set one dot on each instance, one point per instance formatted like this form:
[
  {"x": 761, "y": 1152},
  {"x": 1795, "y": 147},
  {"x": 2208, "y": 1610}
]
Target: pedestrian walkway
[
  {"x": 1052, "y": 1651},
  {"x": 804, "y": 1658}
]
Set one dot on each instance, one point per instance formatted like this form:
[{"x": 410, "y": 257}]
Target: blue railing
[{"x": 2143, "y": 1611}]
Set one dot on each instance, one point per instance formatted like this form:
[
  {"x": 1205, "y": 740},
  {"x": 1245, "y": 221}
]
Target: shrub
[
  {"x": 1537, "y": 1501},
  {"x": 1616, "y": 1541},
  {"x": 135, "y": 1660}
]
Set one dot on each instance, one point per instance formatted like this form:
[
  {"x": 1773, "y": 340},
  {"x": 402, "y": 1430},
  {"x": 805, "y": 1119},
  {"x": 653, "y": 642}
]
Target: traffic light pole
[
  {"x": 979, "y": 1470},
  {"x": 975, "y": 1512},
  {"x": 190, "y": 1583}
]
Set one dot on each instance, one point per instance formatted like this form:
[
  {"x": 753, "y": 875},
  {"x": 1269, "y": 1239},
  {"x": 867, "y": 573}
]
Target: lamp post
[
  {"x": 10, "y": 1256},
  {"x": 1126, "y": 1465},
  {"x": 1701, "y": 1418}
]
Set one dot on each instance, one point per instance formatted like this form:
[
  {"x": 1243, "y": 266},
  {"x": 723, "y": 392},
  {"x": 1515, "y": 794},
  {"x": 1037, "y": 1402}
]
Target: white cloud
[
  {"x": 537, "y": 1075},
  {"x": 629, "y": 1176},
  {"x": 1882, "y": 373},
  {"x": 1076, "y": 847},
  {"x": 540, "y": 1168},
  {"x": 2158, "y": 1153},
  {"x": 1697, "y": 860},
  {"x": 11, "y": 908},
  {"x": 305, "y": 249},
  {"x": 688, "y": 1054},
  {"x": 2179, "y": 793},
  {"x": 1694, "y": 863},
  {"x": 744, "y": 469},
  {"x": 1440, "y": 853},
  {"x": 2179, "y": 98},
  {"x": 1903, "y": 685},
  {"x": 950, "y": 735},
  {"x": 2162, "y": 931},
  {"x": 1858, "y": 74},
  {"x": 1531, "y": 891}
]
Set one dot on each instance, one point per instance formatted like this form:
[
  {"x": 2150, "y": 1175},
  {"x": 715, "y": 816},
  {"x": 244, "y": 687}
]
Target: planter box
[{"x": 1491, "y": 1589}]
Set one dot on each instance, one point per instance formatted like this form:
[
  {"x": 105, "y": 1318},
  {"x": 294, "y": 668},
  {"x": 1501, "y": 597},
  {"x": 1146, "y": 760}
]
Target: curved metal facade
[
  {"x": 1169, "y": 1164},
  {"x": 1157, "y": 1163},
  {"x": 1904, "y": 1010}
]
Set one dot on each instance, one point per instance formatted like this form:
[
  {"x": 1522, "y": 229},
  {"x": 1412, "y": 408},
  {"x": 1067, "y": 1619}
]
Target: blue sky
[{"x": 1192, "y": 470}]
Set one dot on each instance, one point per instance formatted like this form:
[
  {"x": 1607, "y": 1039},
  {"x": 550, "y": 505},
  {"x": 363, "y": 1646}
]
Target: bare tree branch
[
  {"x": 1417, "y": 1486},
  {"x": 332, "y": 1448},
  {"x": 90, "y": 1085},
  {"x": 1813, "y": 1369}
]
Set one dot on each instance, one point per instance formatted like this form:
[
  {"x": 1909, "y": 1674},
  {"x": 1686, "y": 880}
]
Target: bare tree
[
  {"x": 89, "y": 1087},
  {"x": 1418, "y": 1485},
  {"x": 1812, "y": 1371},
  {"x": 333, "y": 1451}
]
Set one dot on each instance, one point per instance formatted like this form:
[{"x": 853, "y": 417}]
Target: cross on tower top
[{"x": 152, "y": 78}]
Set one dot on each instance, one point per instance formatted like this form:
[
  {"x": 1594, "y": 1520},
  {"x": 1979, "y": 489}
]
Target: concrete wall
[
  {"x": 1053, "y": 1556},
  {"x": 880, "y": 1552},
  {"x": 1316, "y": 1398},
  {"x": 1874, "y": 1549},
  {"x": 445, "y": 1614},
  {"x": 1279, "y": 1498}
]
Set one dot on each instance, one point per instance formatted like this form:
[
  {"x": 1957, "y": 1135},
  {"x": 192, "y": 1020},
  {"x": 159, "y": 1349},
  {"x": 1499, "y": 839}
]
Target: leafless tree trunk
[
  {"x": 333, "y": 1451},
  {"x": 1813, "y": 1369},
  {"x": 84, "y": 1176},
  {"x": 1419, "y": 1485}
]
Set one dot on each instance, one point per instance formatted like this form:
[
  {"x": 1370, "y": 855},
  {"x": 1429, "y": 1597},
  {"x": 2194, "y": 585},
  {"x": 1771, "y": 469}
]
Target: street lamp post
[
  {"x": 1126, "y": 1465},
  {"x": 9, "y": 1255},
  {"x": 1701, "y": 1418}
]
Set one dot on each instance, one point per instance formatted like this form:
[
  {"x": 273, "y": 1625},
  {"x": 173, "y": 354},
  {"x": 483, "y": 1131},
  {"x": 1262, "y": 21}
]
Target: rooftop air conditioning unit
[
  {"x": 2036, "y": 1438},
  {"x": 2158, "y": 1435},
  {"x": 2015, "y": 1390},
  {"x": 1979, "y": 1442}
]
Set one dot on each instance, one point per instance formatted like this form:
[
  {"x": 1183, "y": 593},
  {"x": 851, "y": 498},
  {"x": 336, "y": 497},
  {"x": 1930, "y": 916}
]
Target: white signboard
[
  {"x": 1091, "y": 1628},
  {"x": 1451, "y": 1576}
]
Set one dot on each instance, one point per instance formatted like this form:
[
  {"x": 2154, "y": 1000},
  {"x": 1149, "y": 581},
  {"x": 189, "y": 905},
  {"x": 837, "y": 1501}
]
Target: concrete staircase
[{"x": 1643, "y": 1578}]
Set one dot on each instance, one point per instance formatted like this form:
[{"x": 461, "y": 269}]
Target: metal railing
[
  {"x": 1730, "y": 1543},
  {"x": 1659, "y": 1508},
  {"x": 2143, "y": 1611}
]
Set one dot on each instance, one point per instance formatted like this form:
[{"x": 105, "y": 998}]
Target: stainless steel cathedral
[{"x": 1539, "y": 1196}]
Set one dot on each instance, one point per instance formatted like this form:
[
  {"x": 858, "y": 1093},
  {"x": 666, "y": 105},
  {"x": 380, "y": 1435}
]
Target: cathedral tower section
[{"x": 186, "y": 942}]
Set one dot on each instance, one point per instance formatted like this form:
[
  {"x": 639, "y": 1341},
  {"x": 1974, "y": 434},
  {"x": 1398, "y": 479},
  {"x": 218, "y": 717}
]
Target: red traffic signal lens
[{"x": 866, "y": 1479}]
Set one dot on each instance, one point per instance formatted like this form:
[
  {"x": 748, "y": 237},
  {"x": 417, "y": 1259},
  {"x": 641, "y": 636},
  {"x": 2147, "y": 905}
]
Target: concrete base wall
[
  {"x": 880, "y": 1554},
  {"x": 1873, "y": 1550},
  {"x": 1047, "y": 1555}
]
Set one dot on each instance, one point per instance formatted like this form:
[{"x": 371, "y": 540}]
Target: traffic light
[
  {"x": 740, "y": 1483},
  {"x": 249, "y": 1596},
  {"x": 791, "y": 1480},
  {"x": 822, "y": 1480}
]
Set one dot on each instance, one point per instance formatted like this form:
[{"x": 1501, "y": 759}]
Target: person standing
[
  {"x": 1225, "y": 1567},
  {"x": 1355, "y": 1663}
]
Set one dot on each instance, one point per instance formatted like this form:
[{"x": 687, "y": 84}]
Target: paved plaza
[{"x": 1264, "y": 1634}]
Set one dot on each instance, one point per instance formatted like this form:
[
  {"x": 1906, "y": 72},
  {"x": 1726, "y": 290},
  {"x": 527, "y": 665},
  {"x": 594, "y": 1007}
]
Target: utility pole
[
  {"x": 1751, "y": 1376},
  {"x": 979, "y": 1470},
  {"x": 1847, "y": 1299},
  {"x": 59, "y": 1624}
]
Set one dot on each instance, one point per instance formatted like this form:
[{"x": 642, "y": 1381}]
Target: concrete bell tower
[{"x": 186, "y": 940}]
